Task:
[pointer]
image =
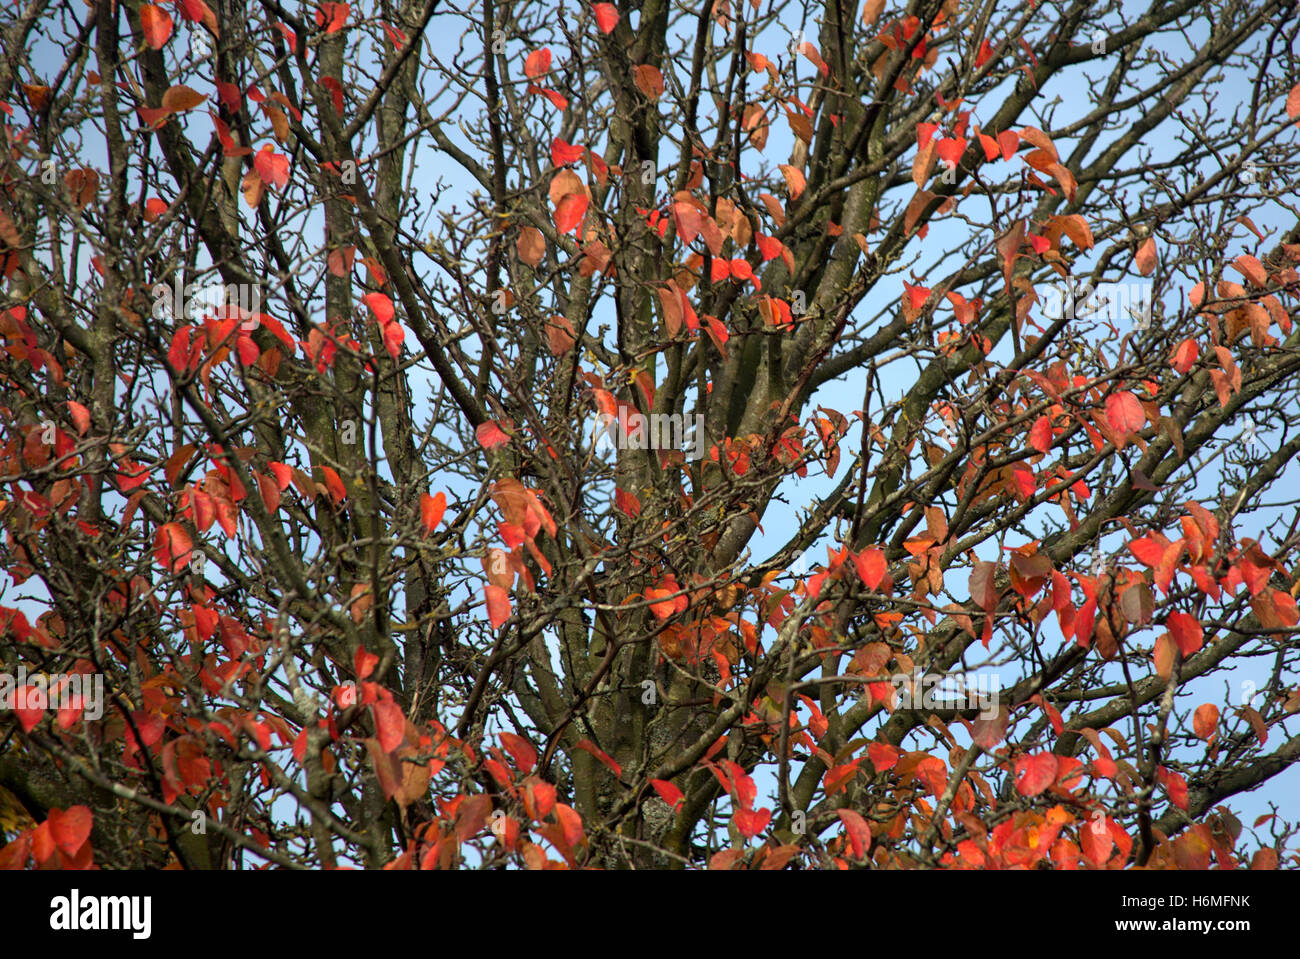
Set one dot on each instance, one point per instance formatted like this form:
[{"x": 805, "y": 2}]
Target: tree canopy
[{"x": 782, "y": 434}]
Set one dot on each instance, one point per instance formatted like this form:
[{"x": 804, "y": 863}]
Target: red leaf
[
  {"x": 1040, "y": 436},
  {"x": 80, "y": 417},
  {"x": 70, "y": 828},
  {"x": 1175, "y": 785},
  {"x": 883, "y": 756},
  {"x": 1023, "y": 477},
  {"x": 1009, "y": 141},
  {"x": 1124, "y": 412},
  {"x": 750, "y": 822},
  {"x": 1187, "y": 632},
  {"x": 1293, "y": 102},
  {"x": 569, "y": 214},
  {"x": 364, "y": 662},
  {"x": 563, "y": 152},
  {"x": 390, "y": 724},
  {"x": 431, "y": 510},
  {"x": 380, "y": 305},
  {"x": 490, "y": 435},
  {"x": 498, "y": 605},
  {"x": 871, "y": 566},
  {"x": 538, "y": 64},
  {"x": 606, "y": 16},
  {"x": 859, "y": 833},
  {"x": 338, "y": 492},
  {"x": 1184, "y": 355},
  {"x": 272, "y": 167},
  {"x": 667, "y": 791},
  {"x": 1206, "y": 720},
  {"x": 570, "y": 823},
  {"x": 1035, "y": 773},
  {"x": 332, "y": 16},
  {"x": 156, "y": 24},
  {"x": 172, "y": 547},
  {"x": 521, "y": 751},
  {"x": 627, "y": 503},
  {"x": 769, "y": 246},
  {"x": 588, "y": 746},
  {"x": 29, "y": 706}
]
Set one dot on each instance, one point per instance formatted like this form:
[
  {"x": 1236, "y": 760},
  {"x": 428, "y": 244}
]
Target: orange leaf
[
  {"x": 156, "y": 24},
  {"x": 1124, "y": 412},
  {"x": 498, "y": 605},
  {"x": 431, "y": 510},
  {"x": 538, "y": 64},
  {"x": 180, "y": 98},
  {"x": 1035, "y": 773},
  {"x": 338, "y": 492},
  {"x": 794, "y": 180},
  {"x": 531, "y": 245},
  {"x": 859, "y": 833},
  {"x": 172, "y": 547},
  {"x": 1206, "y": 720},
  {"x": 1145, "y": 259},
  {"x": 648, "y": 80}
]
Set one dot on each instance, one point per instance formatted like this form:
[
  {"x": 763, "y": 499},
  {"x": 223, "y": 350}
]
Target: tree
[{"x": 429, "y": 423}]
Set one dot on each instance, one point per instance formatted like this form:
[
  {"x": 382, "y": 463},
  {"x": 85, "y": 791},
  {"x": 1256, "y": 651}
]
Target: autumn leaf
[
  {"x": 490, "y": 435},
  {"x": 794, "y": 180},
  {"x": 272, "y": 167},
  {"x": 569, "y": 214},
  {"x": 431, "y": 510},
  {"x": 1187, "y": 632},
  {"x": 858, "y": 832},
  {"x": 751, "y": 822},
  {"x": 1124, "y": 412},
  {"x": 588, "y": 746},
  {"x": 1040, "y": 435},
  {"x": 648, "y": 80},
  {"x": 180, "y": 98},
  {"x": 538, "y": 64},
  {"x": 380, "y": 305},
  {"x": 1205, "y": 721},
  {"x": 498, "y": 604},
  {"x": 156, "y": 25},
  {"x": 172, "y": 547},
  {"x": 70, "y": 828},
  {"x": 606, "y": 16},
  {"x": 1035, "y": 773},
  {"x": 1185, "y": 355},
  {"x": 1145, "y": 259},
  {"x": 520, "y": 750},
  {"x": 667, "y": 791}
]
